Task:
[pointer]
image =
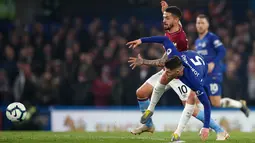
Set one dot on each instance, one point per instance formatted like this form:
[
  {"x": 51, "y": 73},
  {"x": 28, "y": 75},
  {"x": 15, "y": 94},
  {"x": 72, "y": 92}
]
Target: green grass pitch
[{"x": 113, "y": 137}]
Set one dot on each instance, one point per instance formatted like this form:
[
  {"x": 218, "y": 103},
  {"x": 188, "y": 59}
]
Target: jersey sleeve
[
  {"x": 201, "y": 94},
  {"x": 168, "y": 45},
  {"x": 219, "y": 48}
]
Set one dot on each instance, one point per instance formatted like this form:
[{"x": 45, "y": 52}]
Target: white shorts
[{"x": 177, "y": 85}]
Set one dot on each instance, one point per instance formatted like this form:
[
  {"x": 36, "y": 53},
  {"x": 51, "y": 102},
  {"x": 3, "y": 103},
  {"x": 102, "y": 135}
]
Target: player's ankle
[
  {"x": 149, "y": 125},
  {"x": 177, "y": 132},
  {"x": 219, "y": 130}
]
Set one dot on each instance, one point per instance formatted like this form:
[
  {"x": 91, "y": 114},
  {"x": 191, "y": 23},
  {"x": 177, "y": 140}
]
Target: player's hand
[
  {"x": 134, "y": 44},
  {"x": 135, "y": 61},
  {"x": 164, "y": 5},
  {"x": 204, "y": 133},
  {"x": 211, "y": 67}
]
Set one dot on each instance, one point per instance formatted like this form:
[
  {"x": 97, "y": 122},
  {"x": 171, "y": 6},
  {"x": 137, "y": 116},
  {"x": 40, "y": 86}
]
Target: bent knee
[
  {"x": 143, "y": 92},
  {"x": 192, "y": 94},
  {"x": 216, "y": 104},
  {"x": 196, "y": 111},
  {"x": 215, "y": 101},
  {"x": 191, "y": 98}
]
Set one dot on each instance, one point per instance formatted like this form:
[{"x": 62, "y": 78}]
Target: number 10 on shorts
[{"x": 183, "y": 89}]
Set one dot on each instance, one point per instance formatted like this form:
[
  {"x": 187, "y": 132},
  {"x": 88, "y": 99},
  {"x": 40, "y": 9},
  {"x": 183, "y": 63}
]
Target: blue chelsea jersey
[
  {"x": 195, "y": 67},
  {"x": 212, "y": 50},
  {"x": 195, "y": 70}
]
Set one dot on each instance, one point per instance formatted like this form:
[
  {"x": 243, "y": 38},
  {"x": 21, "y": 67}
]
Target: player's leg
[
  {"x": 185, "y": 116},
  {"x": 199, "y": 105},
  {"x": 143, "y": 94},
  {"x": 158, "y": 91},
  {"x": 221, "y": 133},
  {"x": 183, "y": 92},
  {"x": 215, "y": 92}
]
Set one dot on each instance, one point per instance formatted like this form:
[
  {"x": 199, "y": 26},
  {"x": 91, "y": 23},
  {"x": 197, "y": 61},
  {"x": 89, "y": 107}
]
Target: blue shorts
[{"x": 213, "y": 88}]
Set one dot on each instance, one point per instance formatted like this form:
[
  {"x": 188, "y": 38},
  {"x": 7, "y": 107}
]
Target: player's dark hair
[
  {"x": 173, "y": 63},
  {"x": 203, "y": 16},
  {"x": 174, "y": 10}
]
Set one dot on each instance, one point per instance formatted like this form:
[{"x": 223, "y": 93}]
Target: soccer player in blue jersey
[
  {"x": 191, "y": 70},
  {"x": 209, "y": 46}
]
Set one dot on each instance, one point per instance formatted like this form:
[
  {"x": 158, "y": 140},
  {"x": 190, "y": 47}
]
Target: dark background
[{"x": 61, "y": 52}]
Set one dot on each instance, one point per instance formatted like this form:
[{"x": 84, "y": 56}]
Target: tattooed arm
[
  {"x": 137, "y": 61},
  {"x": 158, "y": 62}
]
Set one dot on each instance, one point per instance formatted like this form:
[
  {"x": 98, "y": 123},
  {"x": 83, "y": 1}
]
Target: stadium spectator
[{"x": 84, "y": 62}]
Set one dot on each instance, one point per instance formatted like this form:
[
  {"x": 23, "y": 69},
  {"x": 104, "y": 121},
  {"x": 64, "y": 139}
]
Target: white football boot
[
  {"x": 143, "y": 128},
  {"x": 222, "y": 136}
]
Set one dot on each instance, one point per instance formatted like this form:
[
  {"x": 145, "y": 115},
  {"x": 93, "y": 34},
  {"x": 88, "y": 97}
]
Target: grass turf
[{"x": 113, "y": 137}]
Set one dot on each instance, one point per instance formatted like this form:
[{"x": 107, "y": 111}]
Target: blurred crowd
[{"x": 73, "y": 63}]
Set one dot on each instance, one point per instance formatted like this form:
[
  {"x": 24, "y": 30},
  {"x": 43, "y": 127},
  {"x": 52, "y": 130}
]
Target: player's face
[
  {"x": 168, "y": 20},
  {"x": 202, "y": 25}
]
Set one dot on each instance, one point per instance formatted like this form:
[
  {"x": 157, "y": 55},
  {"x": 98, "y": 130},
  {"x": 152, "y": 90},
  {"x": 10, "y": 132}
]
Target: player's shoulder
[
  {"x": 179, "y": 35},
  {"x": 212, "y": 35},
  {"x": 215, "y": 39},
  {"x": 190, "y": 53}
]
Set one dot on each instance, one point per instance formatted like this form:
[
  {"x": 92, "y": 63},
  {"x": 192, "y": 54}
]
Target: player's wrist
[
  {"x": 141, "y": 39},
  {"x": 206, "y": 127},
  {"x": 142, "y": 61}
]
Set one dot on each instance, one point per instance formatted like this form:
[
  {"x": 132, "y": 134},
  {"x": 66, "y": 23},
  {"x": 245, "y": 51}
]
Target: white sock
[
  {"x": 200, "y": 106},
  {"x": 158, "y": 91},
  {"x": 227, "y": 102},
  {"x": 186, "y": 114}
]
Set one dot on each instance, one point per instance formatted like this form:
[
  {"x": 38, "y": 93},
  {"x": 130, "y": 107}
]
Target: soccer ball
[{"x": 16, "y": 112}]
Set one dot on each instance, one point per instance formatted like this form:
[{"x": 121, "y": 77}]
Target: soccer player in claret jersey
[
  {"x": 171, "y": 21},
  {"x": 174, "y": 32},
  {"x": 209, "y": 46},
  {"x": 191, "y": 70}
]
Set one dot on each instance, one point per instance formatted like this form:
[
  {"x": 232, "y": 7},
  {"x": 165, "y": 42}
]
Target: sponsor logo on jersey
[
  {"x": 184, "y": 58},
  {"x": 202, "y": 44}
]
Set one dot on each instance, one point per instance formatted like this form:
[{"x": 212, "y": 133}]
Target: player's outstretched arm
[
  {"x": 154, "y": 39},
  {"x": 168, "y": 45},
  {"x": 138, "y": 61},
  {"x": 158, "y": 39},
  {"x": 158, "y": 62}
]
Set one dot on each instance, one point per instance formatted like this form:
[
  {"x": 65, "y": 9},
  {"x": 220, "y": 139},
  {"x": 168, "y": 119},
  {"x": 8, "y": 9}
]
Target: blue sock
[
  {"x": 143, "y": 105},
  {"x": 213, "y": 124}
]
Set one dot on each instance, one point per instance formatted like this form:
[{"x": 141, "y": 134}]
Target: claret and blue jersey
[{"x": 212, "y": 50}]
